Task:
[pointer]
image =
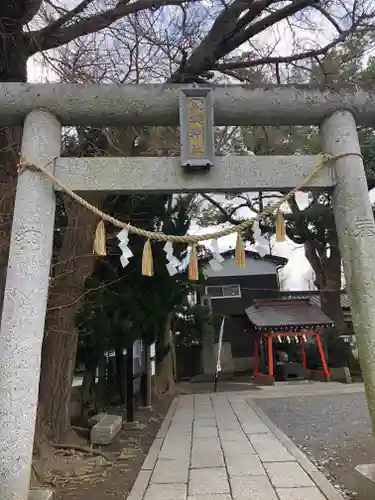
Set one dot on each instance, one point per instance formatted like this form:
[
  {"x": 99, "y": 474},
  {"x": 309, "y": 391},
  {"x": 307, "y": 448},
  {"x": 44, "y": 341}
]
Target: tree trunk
[
  {"x": 165, "y": 378},
  {"x": 75, "y": 264},
  {"x": 328, "y": 281},
  {"x": 13, "y": 57}
]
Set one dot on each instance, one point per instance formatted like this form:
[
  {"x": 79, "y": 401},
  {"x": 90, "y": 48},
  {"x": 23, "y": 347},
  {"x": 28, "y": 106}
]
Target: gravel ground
[{"x": 333, "y": 431}]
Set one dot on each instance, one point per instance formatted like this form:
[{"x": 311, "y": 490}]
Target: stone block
[
  {"x": 166, "y": 492},
  {"x": 287, "y": 475},
  {"x": 170, "y": 471},
  {"x": 215, "y": 496},
  {"x": 237, "y": 448},
  {"x": 367, "y": 470},
  {"x": 98, "y": 417},
  {"x": 106, "y": 430},
  {"x": 208, "y": 421},
  {"x": 269, "y": 448},
  {"x": 208, "y": 481},
  {"x": 152, "y": 455},
  {"x": 254, "y": 487},
  {"x": 244, "y": 465},
  {"x": 230, "y": 436},
  {"x": 341, "y": 374},
  {"x": 206, "y": 453},
  {"x": 205, "y": 432},
  {"x": 264, "y": 380},
  {"x": 300, "y": 494},
  {"x": 40, "y": 494},
  {"x": 140, "y": 485}
]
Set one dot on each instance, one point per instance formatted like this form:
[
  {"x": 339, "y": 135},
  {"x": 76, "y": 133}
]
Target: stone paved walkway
[{"x": 222, "y": 447}]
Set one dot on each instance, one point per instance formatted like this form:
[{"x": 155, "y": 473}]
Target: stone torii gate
[{"x": 43, "y": 109}]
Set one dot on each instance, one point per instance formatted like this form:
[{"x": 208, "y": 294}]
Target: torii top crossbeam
[{"x": 76, "y": 104}]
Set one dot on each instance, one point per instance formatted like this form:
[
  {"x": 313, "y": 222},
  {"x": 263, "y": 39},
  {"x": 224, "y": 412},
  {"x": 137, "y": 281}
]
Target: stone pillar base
[{"x": 41, "y": 494}]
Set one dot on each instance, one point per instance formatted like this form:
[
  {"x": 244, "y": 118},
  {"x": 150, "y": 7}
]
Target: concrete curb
[
  {"x": 139, "y": 487},
  {"x": 327, "y": 489}
]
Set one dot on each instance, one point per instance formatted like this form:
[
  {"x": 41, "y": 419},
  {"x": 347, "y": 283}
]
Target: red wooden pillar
[
  {"x": 303, "y": 353},
  {"x": 322, "y": 357},
  {"x": 270, "y": 355}
]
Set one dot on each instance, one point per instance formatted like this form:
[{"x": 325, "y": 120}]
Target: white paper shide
[{"x": 123, "y": 237}]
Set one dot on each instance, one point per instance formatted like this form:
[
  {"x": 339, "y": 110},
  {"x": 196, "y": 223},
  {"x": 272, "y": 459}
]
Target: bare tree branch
[
  {"x": 328, "y": 16},
  {"x": 216, "y": 204},
  {"x": 224, "y": 36},
  {"x": 45, "y": 40},
  {"x": 68, "y": 16},
  {"x": 283, "y": 59}
]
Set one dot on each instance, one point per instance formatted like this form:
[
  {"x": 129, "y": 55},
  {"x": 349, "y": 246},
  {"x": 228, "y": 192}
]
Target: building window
[{"x": 223, "y": 292}]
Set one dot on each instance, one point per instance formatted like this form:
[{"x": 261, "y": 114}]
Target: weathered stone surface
[
  {"x": 205, "y": 432},
  {"x": 157, "y": 104},
  {"x": 40, "y": 494},
  {"x": 252, "y": 487},
  {"x": 164, "y": 175},
  {"x": 98, "y": 417},
  {"x": 166, "y": 492},
  {"x": 244, "y": 465},
  {"x": 140, "y": 485},
  {"x": 341, "y": 374},
  {"x": 356, "y": 234},
  {"x": 300, "y": 494},
  {"x": 106, "y": 430},
  {"x": 237, "y": 448},
  {"x": 269, "y": 448},
  {"x": 208, "y": 481},
  {"x": 287, "y": 475},
  {"x": 215, "y": 496},
  {"x": 152, "y": 456},
  {"x": 228, "y": 467},
  {"x": 206, "y": 453},
  {"x": 25, "y": 302},
  {"x": 170, "y": 471}
]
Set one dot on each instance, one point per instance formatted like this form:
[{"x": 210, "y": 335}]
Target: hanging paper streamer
[
  {"x": 99, "y": 241},
  {"x": 147, "y": 260},
  {"x": 217, "y": 258},
  {"x": 173, "y": 262},
  {"x": 126, "y": 254},
  {"x": 240, "y": 251},
  {"x": 193, "y": 264},
  {"x": 261, "y": 244},
  {"x": 280, "y": 227}
]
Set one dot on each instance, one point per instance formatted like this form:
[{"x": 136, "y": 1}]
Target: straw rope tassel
[
  {"x": 193, "y": 264},
  {"x": 147, "y": 260},
  {"x": 99, "y": 240},
  {"x": 280, "y": 227},
  {"x": 240, "y": 251}
]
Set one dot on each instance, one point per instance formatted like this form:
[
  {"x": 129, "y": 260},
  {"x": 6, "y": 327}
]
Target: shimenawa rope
[{"x": 189, "y": 239}]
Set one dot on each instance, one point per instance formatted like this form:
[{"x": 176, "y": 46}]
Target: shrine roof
[{"x": 287, "y": 315}]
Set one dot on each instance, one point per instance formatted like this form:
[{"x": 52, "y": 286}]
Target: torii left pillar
[{"x": 25, "y": 302}]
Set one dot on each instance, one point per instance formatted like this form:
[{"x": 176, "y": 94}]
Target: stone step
[{"x": 106, "y": 429}]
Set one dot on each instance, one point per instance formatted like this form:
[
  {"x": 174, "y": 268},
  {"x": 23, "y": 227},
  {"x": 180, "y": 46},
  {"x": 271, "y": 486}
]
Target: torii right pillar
[{"x": 356, "y": 233}]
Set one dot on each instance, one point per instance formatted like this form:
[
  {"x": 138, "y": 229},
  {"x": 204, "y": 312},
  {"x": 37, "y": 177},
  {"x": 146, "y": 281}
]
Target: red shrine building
[{"x": 265, "y": 333}]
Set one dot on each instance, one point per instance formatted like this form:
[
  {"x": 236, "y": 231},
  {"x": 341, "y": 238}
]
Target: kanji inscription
[{"x": 196, "y": 126}]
